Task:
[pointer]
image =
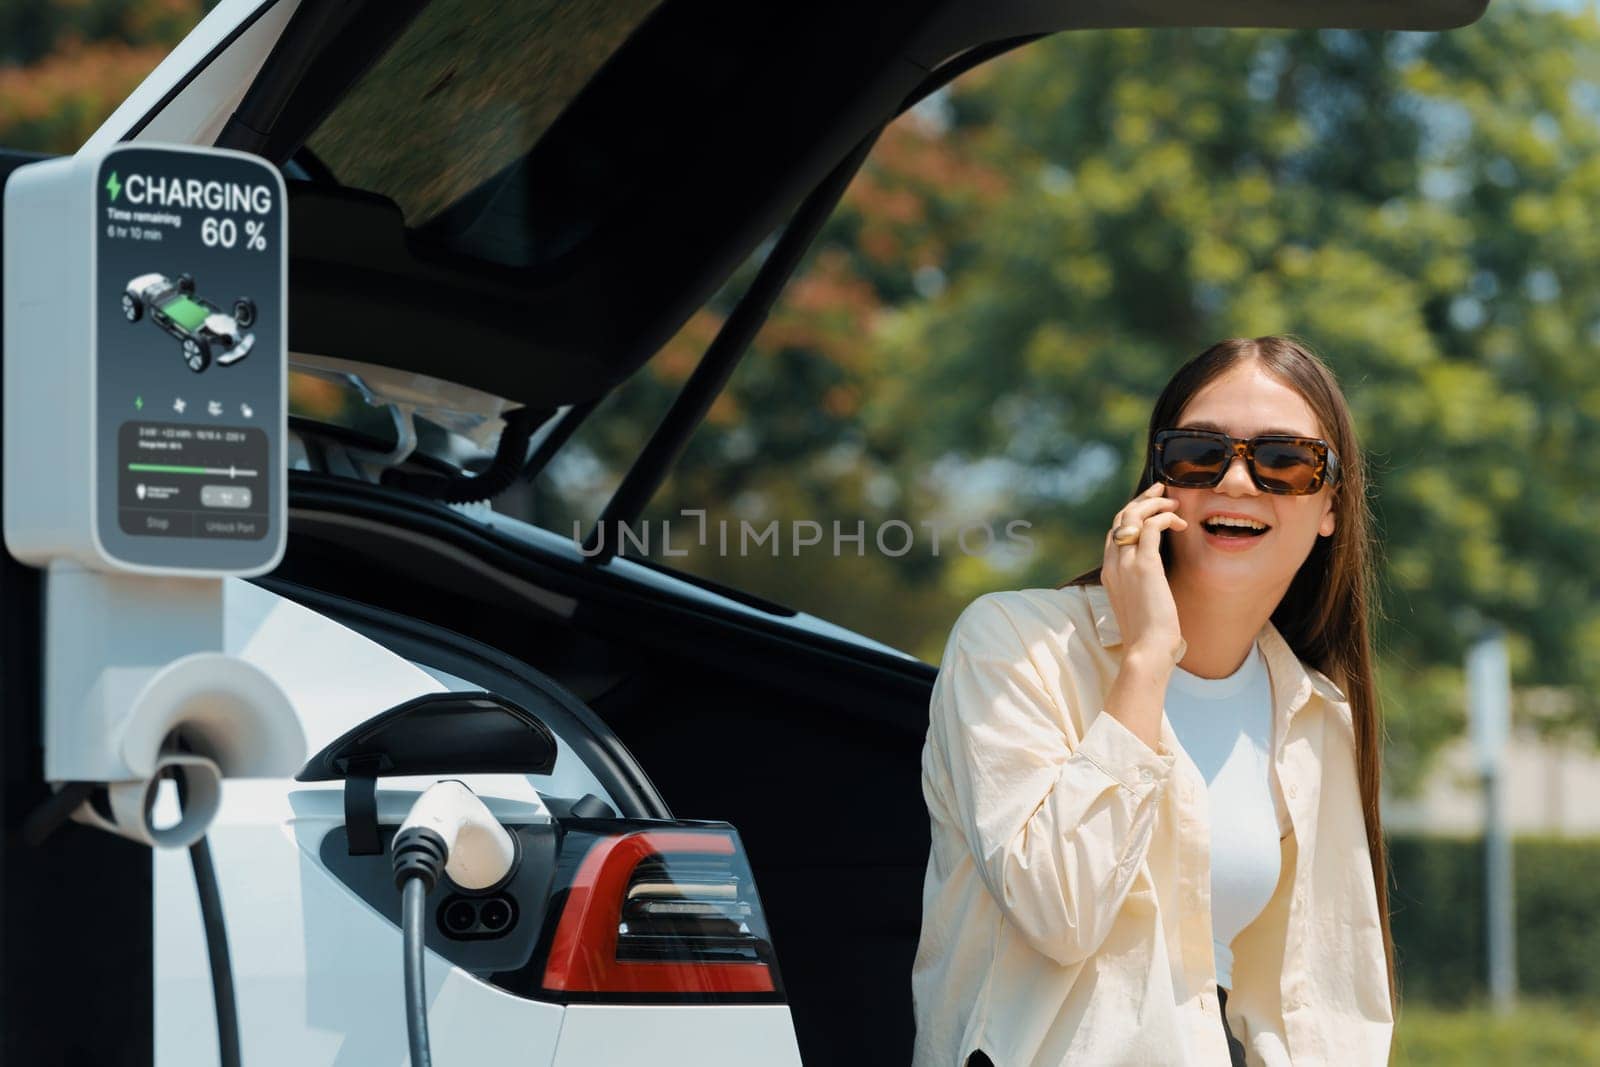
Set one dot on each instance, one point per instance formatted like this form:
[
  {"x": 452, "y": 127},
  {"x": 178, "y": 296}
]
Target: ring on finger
[{"x": 1126, "y": 535}]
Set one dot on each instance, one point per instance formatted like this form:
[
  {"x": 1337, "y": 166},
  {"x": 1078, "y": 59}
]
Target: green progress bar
[
  {"x": 224, "y": 472},
  {"x": 160, "y": 469}
]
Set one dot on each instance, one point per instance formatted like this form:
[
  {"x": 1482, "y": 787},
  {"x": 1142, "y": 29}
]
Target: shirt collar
[{"x": 1293, "y": 681}]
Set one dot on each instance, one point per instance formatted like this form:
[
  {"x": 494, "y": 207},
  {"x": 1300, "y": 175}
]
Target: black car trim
[
  {"x": 722, "y": 356},
  {"x": 711, "y": 585},
  {"x": 324, "y": 49},
  {"x": 611, "y": 601},
  {"x": 574, "y": 722},
  {"x": 311, "y": 491},
  {"x": 556, "y": 437},
  {"x": 194, "y": 72}
]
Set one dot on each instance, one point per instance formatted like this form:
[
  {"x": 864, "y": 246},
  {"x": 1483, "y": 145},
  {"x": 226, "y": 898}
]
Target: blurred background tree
[{"x": 65, "y": 66}]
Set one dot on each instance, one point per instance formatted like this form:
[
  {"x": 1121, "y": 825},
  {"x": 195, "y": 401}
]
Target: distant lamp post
[{"x": 1488, "y": 671}]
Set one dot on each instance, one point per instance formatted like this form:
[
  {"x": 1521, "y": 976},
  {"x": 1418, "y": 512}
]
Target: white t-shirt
[{"x": 1225, "y": 725}]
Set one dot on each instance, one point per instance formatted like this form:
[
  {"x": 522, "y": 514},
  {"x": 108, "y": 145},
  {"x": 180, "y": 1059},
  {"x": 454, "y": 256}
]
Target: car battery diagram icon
[{"x": 204, "y": 330}]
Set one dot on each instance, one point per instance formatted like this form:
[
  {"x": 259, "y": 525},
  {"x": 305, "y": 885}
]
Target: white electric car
[{"x": 498, "y": 214}]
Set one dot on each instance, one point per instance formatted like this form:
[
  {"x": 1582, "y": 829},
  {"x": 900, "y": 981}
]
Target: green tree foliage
[
  {"x": 1439, "y": 890},
  {"x": 1020, "y": 267}
]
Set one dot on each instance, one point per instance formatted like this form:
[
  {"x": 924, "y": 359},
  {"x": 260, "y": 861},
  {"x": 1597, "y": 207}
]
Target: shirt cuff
[{"x": 1119, "y": 752}]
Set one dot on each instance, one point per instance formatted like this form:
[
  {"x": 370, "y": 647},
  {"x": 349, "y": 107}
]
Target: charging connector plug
[{"x": 448, "y": 830}]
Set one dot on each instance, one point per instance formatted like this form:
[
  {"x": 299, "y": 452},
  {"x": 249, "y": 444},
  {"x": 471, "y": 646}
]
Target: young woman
[{"x": 1154, "y": 790}]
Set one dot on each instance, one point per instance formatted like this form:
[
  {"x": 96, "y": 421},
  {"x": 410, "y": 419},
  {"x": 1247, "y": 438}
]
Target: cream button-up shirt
[{"x": 1066, "y": 910}]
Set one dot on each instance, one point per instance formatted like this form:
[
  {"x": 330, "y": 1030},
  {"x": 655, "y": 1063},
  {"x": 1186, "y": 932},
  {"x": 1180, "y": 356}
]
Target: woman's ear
[{"x": 1329, "y": 521}]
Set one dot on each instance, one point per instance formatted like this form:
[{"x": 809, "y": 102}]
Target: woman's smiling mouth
[{"x": 1232, "y": 531}]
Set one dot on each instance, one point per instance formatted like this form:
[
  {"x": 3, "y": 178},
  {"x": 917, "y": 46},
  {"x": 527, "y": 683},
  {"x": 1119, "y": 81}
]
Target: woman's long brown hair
[{"x": 1324, "y": 613}]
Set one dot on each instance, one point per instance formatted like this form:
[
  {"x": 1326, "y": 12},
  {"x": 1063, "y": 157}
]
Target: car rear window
[{"x": 465, "y": 91}]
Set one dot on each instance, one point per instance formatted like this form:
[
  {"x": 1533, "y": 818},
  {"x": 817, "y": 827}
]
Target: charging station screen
[{"x": 190, "y": 358}]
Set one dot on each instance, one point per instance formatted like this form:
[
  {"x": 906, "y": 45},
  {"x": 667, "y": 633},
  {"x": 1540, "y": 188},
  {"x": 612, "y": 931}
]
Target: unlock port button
[{"x": 224, "y": 496}]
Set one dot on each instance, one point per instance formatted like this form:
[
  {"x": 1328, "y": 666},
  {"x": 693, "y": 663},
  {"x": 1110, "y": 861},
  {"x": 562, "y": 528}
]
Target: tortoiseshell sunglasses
[{"x": 1278, "y": 463}]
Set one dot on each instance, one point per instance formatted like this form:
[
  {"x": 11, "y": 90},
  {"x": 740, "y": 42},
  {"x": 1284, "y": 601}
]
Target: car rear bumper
[{"x": 648, "y": 1035}]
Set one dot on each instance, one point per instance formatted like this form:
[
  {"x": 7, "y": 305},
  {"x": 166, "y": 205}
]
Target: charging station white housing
[
  {"x": 133, "y": 661},
  {"x": 144, "y": 430},
  {"x": 123, "y": 374}
]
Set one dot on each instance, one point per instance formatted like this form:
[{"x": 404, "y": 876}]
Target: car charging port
[
  {"x": 496, "y": 915},
  {"x": 458, "y": 917},
  {"x": 465, "y": 918}
]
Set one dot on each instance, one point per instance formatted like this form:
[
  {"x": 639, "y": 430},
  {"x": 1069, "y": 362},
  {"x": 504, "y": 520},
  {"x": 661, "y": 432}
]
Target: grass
[{"x": 1543, "y": 1032}]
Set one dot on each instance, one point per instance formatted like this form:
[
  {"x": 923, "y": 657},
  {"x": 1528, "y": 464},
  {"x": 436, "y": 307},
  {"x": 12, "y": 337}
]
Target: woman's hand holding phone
[{"x": 1136, "y": 583}]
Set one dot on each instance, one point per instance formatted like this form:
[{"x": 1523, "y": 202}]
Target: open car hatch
[{"x": 530, "y": 198}]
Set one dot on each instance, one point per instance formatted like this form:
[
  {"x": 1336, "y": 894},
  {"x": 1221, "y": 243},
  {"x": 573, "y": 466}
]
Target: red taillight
[{"x": 661, "y": 911}]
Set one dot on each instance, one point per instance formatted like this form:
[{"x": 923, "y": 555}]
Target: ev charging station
[
  {"x": 145, "y": 427},
  {"x": 141, "y": 469}
]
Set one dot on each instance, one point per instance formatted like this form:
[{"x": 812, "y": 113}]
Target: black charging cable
[
  {"x": 55, "y": 810},
  {"x": 58, "y": 808},
  {"x": 205, "y": 884},
  {"x": 419, "y": 859}
]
